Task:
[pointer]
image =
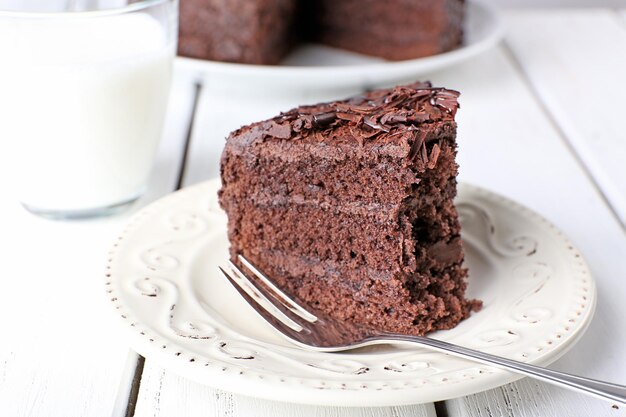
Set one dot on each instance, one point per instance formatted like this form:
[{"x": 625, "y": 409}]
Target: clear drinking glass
[{"x": 83, "y": 91}]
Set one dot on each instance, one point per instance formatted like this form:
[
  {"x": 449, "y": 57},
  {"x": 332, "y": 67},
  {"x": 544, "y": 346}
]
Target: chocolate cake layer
[
  {"x": 245, "y": 31},
  {"x": 345, "y": 170},
  {"x": 345, "y": 215},
  {"x": 349, "y": 206}
]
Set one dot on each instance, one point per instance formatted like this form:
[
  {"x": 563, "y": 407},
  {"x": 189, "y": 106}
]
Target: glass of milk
[{"x": 83, "y": 90}]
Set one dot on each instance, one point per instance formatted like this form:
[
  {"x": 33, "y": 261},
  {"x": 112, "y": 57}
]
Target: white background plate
[
  {"x": 163, "y": 282},
  {"x": 317, "y": 66}
]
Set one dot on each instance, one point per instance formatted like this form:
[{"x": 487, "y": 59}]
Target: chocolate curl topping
[
  {"x": 371, "y": 122},
  {"x": 351, "y": 117},
  {"x": 446, "y": 99},
  {"x": 394, "y": 118},
  {"x": 276, "y": 130},
  {"x": 374, "y": 113},
  {"x": 324, "y": 120}
]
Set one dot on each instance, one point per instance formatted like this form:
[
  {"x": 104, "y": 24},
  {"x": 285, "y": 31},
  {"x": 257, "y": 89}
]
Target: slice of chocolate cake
[{"x": 348, "y": 206}]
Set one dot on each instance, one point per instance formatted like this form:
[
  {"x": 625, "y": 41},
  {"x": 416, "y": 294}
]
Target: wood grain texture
[
  {"x": 509, "y": 144},
  {"x": 61, "y": 353},
  {"x": 527, "y": 398},
  {"x": 579, "y": 78},
  {"x": 165, "y": 394}
]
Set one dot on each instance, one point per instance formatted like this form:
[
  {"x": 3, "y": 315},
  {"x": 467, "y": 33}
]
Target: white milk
[{"x": 82, "y": 103}]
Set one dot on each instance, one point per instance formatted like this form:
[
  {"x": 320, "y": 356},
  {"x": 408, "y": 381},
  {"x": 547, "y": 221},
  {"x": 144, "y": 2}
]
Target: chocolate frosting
[
  {"x": 400, "y": 115},
  {"x": 383, "y": 111}
]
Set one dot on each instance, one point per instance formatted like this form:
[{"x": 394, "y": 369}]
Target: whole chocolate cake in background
[
  {"x": 348, "y": 206},
  {"x": 263, "y": 31}
]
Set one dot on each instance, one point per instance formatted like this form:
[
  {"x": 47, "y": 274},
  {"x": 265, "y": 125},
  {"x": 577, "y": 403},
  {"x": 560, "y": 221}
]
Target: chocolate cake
[
  {"x": 245, "y": 31},
  {"x": 348, "y": 206},
  {"x": 392, "y": 29},
  {"x": 262, "y": 31}
]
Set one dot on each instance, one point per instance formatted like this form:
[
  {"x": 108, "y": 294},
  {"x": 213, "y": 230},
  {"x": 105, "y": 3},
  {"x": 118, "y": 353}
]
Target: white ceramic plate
[
  {"x": 324, "y": 67},
  {"x": 163, "y": 282}
]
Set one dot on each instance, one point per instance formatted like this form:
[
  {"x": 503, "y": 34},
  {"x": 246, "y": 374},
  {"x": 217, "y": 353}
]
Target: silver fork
[{"x": 314, "y": 330}]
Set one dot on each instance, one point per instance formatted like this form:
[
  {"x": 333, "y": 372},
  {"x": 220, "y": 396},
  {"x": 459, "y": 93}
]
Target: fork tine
[
  {"x": 267, "y": 308},
  {"x": 324, "y": 334},
  {"x": 284, "y": 298},
  {"x": 268, "y": 295}
]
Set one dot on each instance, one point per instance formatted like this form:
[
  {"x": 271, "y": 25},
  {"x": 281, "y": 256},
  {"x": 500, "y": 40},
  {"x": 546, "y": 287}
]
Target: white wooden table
[{"x": 542, "y": 122}]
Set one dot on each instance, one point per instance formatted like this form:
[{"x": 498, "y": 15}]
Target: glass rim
[{"x": 129, "y": 8}]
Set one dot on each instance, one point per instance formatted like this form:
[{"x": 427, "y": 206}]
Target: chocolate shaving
[
  {"x": 297, "y": 126},
  {"x": 369, "y": 121},
  {"x": 447, "y": 100},
  {"x": 424, "y": 154},
  {"x": 394, "y": 118},
  {"x": 305, "y": 122},
  {"x": 373, "y": 113},
  {"x": 434, "y": 155},
  {"x": 425, "y": 92},
  {"x": 418, "y": 118},
  {"x": 323, "y": 120},
  {"x": 279, "y": 131},
  {"x": 286, "y": 117},
  {"x": 351, "y": 117},
  {"x": 418, "y": 144},
  {"x": 353, "y": 108}
]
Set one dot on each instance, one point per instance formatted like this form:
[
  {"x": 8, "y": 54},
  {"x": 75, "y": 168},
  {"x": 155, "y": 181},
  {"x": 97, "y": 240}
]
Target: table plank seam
[
  {"x": 188, "y": 137},
  {"x": 562, "y": 135},
  {"x": 134, "y": 387},
  {"x": 140, "y": 364},
  {"x": 441, "y": 409}
]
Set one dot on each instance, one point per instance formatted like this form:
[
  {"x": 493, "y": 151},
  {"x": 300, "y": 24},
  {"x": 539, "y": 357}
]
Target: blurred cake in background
[
  {"x": 391, "y": 29},
  {"x": 264, "y": 31},
  {"x": 245, "y": 31}
]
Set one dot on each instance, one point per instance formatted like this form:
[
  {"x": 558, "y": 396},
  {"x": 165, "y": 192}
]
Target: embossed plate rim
[{"x": 246, "y": 375}]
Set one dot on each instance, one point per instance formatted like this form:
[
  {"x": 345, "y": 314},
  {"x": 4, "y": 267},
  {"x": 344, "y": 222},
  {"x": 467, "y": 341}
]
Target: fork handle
[{"x": 593, "y": 387}]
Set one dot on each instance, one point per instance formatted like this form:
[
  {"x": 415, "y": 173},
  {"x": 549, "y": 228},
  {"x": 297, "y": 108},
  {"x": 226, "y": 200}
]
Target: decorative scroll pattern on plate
[{"x": 525, "y": 263}]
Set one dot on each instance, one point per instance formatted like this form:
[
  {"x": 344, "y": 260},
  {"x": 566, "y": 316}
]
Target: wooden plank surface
[
  {"x": 165, "y": 394},
  {"x": 61, "y": 353},
  {"x": 518, "y": 149},
  {"x": 575, "y": 62}
]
